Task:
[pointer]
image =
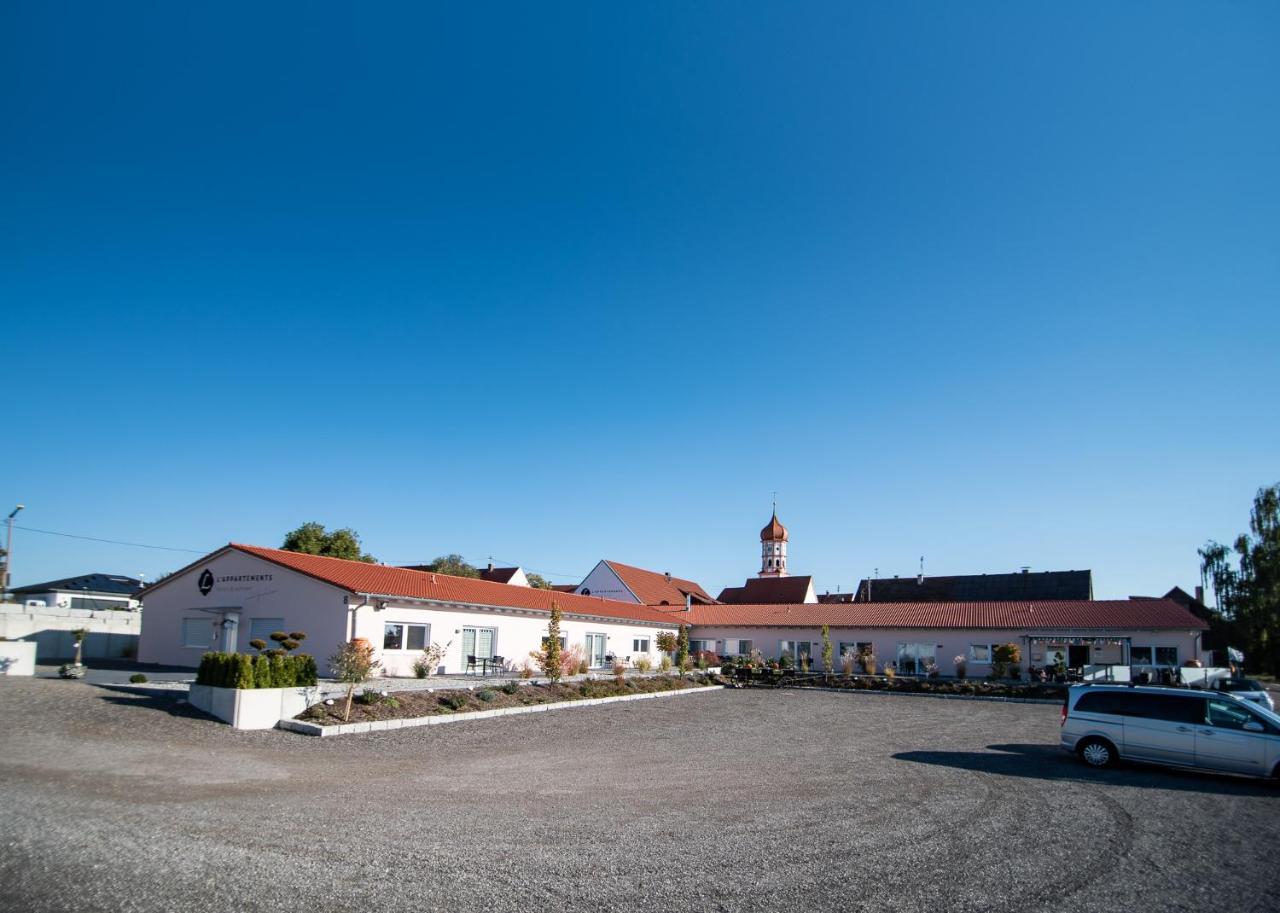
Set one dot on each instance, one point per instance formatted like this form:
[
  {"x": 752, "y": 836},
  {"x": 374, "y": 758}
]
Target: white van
[{"x": 1104, "y": 723}]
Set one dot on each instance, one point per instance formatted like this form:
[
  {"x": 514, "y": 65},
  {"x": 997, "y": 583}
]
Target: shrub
[
  {"x": 138, "y": 678},
  {"x": 619, "y": 672},
  {"x": 827, "y": 667},
  {"x": 682, "y": 648},
  {"x": 244, "y": 671},
  {"x": 583, "y": 666},
  {"x": 298, "y": 635},
  {"x": 282, "y": 675},
  {"x": 307, "y": 674},
  {"x": 258, "y": 644},
  {"x": 262, "y": 671},
  {"x": 453, "y": 700},
  {"x": 509, "y": 687},
  {"x": 571, "y": 657},
  {"x": 846, "y": 664},
  {"x": 526, "y": 670},
  {"x": 889, "y": 671},
  {"x": 785, "y": 661},
  {"x": 486, "y": 694},
  {"x": 315, "y": 712},
  {"x": 666, "y": 663},
  {"x": 644, "y": 664}
]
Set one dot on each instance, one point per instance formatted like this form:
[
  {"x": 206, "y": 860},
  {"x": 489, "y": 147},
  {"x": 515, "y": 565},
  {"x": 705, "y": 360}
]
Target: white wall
[
  {"x": 947, "y": 643},
  {"x": 303, "y": 604},
  {"x": 602, "y": 581},
  {"x": 516, "y": 634}
]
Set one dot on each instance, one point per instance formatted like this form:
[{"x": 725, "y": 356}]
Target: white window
[
  {"x": 195, "y": 633},
  {"x": 402, "y": 636},
  {"x": 263, "y": 628},
  {"x": 745, "y": 647},
  {"x": 979, "y": 653},
  {"x": 857, "y": 648},
  {"x": 699, "y": 646},
  {"x": 640, "y": 645}
]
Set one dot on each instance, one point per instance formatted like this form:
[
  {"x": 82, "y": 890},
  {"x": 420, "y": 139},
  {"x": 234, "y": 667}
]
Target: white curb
[{"x": 382, "y": 725}]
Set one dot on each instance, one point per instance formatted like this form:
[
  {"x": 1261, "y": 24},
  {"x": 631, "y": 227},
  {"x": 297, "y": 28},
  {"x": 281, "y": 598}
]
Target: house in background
[
  {"x": 1021, "y": 586},
  {"x": 615, "y": 580},
  {"x": 94, "y": 592}
]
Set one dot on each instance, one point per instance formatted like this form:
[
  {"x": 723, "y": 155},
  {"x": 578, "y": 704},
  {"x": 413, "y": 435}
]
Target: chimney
[
  {"x": 667, "y": 574},
  {"x": 1200, "y": 595}
]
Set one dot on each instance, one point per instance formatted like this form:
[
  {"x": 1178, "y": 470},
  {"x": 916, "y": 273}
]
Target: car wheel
[{"x": 1097, "y": 752}]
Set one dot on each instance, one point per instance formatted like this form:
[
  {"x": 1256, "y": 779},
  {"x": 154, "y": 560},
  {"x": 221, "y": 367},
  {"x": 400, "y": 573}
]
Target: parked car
[
  {"x": 1247, "y": 688},
  {"x": 1106, "y": 723}
]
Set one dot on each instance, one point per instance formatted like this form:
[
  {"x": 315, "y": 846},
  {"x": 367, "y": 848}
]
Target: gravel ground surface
[{"x": 745, "y": 800}]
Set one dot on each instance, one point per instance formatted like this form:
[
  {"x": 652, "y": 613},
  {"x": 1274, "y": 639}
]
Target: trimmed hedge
[{"x": 239, "y": 670}]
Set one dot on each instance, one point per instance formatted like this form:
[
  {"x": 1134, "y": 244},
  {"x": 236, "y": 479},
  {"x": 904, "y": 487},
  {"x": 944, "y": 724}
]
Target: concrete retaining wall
[
  {"x": 17, "y": 657},
  {"x": 112, "y": 635},
  {"x": 255, "y": 708}
]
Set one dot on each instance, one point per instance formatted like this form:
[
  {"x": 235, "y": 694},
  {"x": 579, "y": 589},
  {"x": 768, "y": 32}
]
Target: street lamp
[{"x": 8, "y": 554}]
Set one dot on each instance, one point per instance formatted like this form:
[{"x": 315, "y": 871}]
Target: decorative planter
[{"x": 252, "y": 708}]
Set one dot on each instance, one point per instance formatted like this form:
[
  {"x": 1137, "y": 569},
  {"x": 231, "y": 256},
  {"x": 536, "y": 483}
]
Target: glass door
[
  {"x": 595, "y": 650},
  {"x": 477, "y": 642},
  {"x": 915, "y": 659}
]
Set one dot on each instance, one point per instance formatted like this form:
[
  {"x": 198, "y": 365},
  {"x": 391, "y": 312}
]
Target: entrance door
[
  {"x": 595, "y": 650},
  {"x": 1077, "y": 656}
]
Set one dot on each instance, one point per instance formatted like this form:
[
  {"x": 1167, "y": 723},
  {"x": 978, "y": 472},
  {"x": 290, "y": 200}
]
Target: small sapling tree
[{"x": 353, "y": 665}]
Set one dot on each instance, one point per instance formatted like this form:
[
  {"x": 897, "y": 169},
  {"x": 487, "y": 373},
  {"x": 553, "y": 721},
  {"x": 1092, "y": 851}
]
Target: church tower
[{"x": 773, "y": 548}]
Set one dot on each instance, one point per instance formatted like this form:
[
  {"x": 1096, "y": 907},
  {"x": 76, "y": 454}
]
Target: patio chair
[
  {"x": 471, "y": 664},
  {"x": 498, "y": 664}
]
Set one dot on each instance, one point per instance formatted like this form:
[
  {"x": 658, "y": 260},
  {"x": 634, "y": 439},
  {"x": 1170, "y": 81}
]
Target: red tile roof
[
  {"x": 760, "y": 590},
  {"x": 653, "y": 588},
  {"x": 1141, "y": 614},
  {"x": 383, "y": 580}
]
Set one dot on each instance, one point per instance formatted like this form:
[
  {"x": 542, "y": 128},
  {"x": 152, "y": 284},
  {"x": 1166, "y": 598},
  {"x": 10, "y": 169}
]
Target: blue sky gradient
[{"x": 994, "y": 284}]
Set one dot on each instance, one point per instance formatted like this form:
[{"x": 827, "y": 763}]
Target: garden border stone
[{"x": 315, "y": 729}]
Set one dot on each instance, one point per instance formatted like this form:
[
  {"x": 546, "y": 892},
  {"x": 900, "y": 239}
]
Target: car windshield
[{"x": 1240, "y": 684}]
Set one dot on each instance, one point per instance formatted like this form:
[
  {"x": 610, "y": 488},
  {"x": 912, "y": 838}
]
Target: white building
[{"x": 241, "y": 593}]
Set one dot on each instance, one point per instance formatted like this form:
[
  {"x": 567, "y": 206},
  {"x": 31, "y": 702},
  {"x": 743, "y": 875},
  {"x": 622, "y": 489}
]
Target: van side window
[{"x": 1174, "y": 709}]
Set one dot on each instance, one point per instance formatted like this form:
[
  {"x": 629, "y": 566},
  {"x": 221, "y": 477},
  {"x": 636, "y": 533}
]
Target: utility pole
[{"x": 8, "y": 555}]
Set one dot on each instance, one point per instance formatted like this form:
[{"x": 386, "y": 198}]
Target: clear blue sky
[{"x": 995, "y": 284}]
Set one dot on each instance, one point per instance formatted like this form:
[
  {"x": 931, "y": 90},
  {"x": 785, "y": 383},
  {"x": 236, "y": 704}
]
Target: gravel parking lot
[{"x": 741, "y": 800}]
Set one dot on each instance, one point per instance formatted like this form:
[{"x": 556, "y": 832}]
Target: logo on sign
[{"x": 205, "y": 582}]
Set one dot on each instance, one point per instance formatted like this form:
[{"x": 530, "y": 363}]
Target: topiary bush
[{"x": 138, "y": 678}]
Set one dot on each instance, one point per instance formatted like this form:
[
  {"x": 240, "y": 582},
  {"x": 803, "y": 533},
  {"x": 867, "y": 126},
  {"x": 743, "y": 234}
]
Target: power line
[{"x": 165, "y": 548}]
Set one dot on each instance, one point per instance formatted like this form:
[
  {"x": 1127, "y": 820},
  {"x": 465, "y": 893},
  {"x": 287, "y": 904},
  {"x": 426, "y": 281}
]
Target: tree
[
  {"x": 312, "y": 538},
  {"x": 827, "y": 665},
  {"x": 666, "y": 641},
  {"x": 455, "y": 565},
  {"x": 550, "y": 659},
  {"x": 353, "y": 665},
  {"x": 1248, "y": 595},
  {"x": 682, "y": 648},
  {"x": 537, "y": 581}
]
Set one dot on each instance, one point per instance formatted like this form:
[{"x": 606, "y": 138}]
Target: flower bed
[
  {"x": 964, "y": 687},
  {"x": 372, "y": 706}
]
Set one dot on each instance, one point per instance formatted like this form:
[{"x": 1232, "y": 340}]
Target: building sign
[{"x": 226, "y": 582}]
